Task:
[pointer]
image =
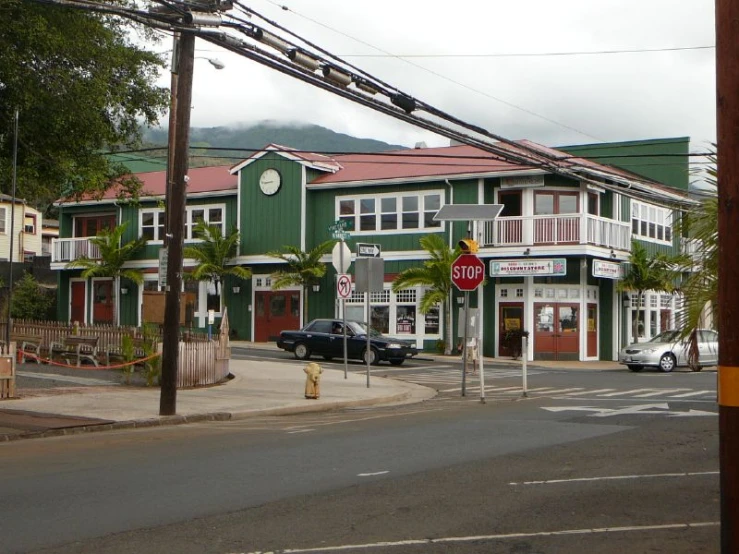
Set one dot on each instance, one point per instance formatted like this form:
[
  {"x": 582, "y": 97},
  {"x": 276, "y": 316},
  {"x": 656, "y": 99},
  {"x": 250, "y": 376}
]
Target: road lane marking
[
  {"x": 615, "y": 478},
  {"x": 696, "y": 393},
  {"x": 659, "y": 392},
  {"x": 503, "y": 536},
  {"x": 596, "y": 391},
  {"x": 300, "y": 431},
  {"x": 372, "y": 474},
  {"x": 633, "y": 391}
]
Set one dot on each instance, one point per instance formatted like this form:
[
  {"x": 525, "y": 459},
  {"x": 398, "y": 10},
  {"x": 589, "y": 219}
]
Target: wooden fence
[{"x": 201, "y": 361}]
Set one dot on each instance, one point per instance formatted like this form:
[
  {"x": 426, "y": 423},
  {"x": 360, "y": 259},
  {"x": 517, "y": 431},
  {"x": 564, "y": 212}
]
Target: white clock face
[{"x": 270, "y": 181}]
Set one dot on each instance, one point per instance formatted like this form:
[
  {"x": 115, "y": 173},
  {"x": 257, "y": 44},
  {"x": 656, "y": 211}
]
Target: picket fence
[{"x": 201, "y": 361}]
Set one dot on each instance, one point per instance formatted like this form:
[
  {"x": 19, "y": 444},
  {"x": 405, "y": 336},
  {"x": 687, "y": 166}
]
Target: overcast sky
[{"x": 554, "y": 100}]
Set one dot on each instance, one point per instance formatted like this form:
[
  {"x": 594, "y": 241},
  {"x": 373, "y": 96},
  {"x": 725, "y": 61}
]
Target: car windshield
[
  {"x": 667, "y": 336},
  {"x": 359, "y": 328}
]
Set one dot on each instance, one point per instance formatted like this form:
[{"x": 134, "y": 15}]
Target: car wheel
[
  {"x": 374, "y": 358},
  {"x": 397, "y": 362},
  {"x": 667, "y": 362},
  {"x": 635, "y": 368},
  {"x": 328, "y": 358},
  {"x": 302, "y": 352}
]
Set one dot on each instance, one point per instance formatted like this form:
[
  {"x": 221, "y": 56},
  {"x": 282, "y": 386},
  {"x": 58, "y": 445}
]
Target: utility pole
[
  {"x": 727, "y": 133},
  {"x": 175, "y": 203}
]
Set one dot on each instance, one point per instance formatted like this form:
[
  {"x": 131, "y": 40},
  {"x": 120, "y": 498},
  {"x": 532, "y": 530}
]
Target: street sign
[
  {"x": 162, "y": 268},
  {"x": 338, "y": 230},
  {"x": 344, "y": 285},
  {"x": 341, "y": 257},
  {"x": 368, "y": 250},
  {"x": 468, "y": 271}
]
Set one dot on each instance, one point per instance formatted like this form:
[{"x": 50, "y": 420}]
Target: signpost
[
  {"x": 470, "y": 213},
  {"x": 341, "y": 258},
  {"x": 468, "y": 272}
]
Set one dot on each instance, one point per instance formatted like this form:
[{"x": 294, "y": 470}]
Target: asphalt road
[{"x": 560, "y": 472}]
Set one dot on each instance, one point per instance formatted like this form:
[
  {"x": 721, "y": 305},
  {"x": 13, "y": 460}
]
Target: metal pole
[
  {"x": 479, "y": 350},
  {"x": 464, "y": 349},
  {"x": 12, "y": 231},
  {"x": 176, "y": 222},
  {"x": 727, "y": 118},
  {"x": 369, "y": 352},
  {"x": 524, "y": 369},
  {"x": 343, "y": 312}
]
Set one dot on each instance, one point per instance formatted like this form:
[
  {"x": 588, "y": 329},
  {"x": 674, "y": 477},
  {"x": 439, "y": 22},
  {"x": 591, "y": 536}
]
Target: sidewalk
[{"x": 259, "y": 388}]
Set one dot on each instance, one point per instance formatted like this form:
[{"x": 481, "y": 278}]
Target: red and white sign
[
  {"x": 344, "y": 285},
  {"x": 468, "y": 271}
]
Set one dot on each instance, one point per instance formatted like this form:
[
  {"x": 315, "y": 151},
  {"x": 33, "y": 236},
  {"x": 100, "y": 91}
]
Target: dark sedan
[{"x": 325, "y": 337}]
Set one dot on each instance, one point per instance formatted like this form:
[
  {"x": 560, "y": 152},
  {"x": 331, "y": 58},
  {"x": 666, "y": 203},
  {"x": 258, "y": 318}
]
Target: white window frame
[
  {"x": 378, "y": 213},
  {"x": 34, "y": 219},
  {"x": 3, "y": 220},
  {"x": 649, "y": 217},
  {"x": 155, "y": 212},
  {"x": 206, "y": 208}
]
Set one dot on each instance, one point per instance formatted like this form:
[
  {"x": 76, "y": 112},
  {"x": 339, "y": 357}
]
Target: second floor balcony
[
  {"x": 68, "y": 250},
  {"x": 559, "y": 229}
]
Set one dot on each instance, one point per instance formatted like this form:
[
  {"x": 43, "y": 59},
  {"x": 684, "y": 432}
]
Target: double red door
[
  {"x": 275, "y": 311},
  {"x": 556, "y": 331}
]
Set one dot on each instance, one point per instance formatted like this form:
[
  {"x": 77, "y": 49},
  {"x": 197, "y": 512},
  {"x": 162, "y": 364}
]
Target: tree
[
  {"x": 81, "y": 86},
  {"x": 30, "y": 301},
  {"x": 304, "y": 269},
  {"x": 648, "y": 272},
  {"x": 213, "y": 255},
  {"x": 436, "y": 275},
  {"x": 112, "y": 260}
]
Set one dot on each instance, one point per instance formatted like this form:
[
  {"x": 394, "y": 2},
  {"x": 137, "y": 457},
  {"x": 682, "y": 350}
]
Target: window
[
  {"x": 593, "y": 207},
  {"x": 512, "y": 203},
  {"x": 3, "y": 212},
  {"x": 211, "y": 215},
  {"x": 29, "y": 224},
  {"x": 549, "y": 203},
  {"x": 651, "y": 222},
  {"x": 152, "y": 225},
  {"x": 408, "y": 212},
  {"x": 91, "y": 226}
]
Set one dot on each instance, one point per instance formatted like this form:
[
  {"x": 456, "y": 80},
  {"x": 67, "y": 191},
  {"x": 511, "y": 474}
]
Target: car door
[
  {"x": 318, "y": 337},
  {"x": 708, "y": 347}
]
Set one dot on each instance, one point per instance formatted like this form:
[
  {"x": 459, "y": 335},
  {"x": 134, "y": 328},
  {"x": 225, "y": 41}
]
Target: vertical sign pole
[
  {"x": 479, "y": 346},
  {"x": 524, "y": 358},
  {"x": 343, "y": 310},
  {"x": 464, "y": 349},
  {"x": 369, "y": 351}
]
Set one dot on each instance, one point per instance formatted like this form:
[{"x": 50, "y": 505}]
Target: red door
[
  {"x": 77, "y": 302},
  {"x": 275, "y": 311},
  {"x": 102, "y": 302},
  {"x": 510, "y": 319},
  {"x": 592, "y": 330},
  {"x": 556, "y": 331}
]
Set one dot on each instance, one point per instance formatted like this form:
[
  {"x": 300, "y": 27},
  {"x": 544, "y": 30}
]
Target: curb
[{"x": 212, "y": 416}]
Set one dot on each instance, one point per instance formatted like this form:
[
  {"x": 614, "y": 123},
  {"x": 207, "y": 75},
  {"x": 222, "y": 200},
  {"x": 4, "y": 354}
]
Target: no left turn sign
[{"x": 344, "y": 285}]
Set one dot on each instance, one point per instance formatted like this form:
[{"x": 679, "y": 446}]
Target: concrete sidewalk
[{"x": 258, "y": 388}]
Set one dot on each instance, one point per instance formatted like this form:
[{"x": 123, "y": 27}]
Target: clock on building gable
[{"x": 270, "y": 181}]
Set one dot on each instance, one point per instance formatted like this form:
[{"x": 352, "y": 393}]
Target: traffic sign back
[{"x": 468, "y": 271}]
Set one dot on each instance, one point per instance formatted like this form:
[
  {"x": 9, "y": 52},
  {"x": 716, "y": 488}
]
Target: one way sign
[{"x": 368, "y": 250}]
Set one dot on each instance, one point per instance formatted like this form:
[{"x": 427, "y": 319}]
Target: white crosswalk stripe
[{"x": 579, "y": 392}]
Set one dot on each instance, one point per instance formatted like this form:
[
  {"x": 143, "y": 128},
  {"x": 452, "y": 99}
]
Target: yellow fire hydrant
[{"x": 313, "y": 380}]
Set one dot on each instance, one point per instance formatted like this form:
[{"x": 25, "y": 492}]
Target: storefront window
[
  {"x": 432, "y": 321},
  {"x": 380, "y": 320},
  {"x": 405, "y": 319}
]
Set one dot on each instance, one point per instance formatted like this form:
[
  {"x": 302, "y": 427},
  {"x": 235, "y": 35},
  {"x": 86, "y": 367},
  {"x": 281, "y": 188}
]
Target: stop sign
[{"x": 468, "y": 272}]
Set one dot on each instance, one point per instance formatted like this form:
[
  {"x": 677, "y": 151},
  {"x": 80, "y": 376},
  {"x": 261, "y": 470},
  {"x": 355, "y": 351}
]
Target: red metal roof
[
  {"x": 421, "y": 162},
  {"x": 202, "y": 180}
]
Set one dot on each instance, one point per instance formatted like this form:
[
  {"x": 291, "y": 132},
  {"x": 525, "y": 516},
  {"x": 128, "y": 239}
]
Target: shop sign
[
  {"x": 515, "y": 268},
  {"x": 607, "y": 270}
]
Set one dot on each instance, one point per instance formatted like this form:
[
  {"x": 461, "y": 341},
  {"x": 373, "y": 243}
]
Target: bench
[
  {"x": 78, "y": 348},
  {"x": 116, "y": 350},
  {"x": 26, "y": 343}
]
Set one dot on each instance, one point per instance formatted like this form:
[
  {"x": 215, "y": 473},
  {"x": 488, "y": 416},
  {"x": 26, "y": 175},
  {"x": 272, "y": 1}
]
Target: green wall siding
[{"x": 270, "y": 222}]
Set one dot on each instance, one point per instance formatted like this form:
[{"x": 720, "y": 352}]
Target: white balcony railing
[
  {"x": 68, "y": 250},
  {"x": 558, "y": 229}
]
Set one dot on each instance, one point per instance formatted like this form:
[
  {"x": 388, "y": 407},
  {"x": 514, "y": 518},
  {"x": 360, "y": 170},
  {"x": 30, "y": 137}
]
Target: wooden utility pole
[
  {"x": 177, "y": 189},
  {"x": 727, "y": 132}
]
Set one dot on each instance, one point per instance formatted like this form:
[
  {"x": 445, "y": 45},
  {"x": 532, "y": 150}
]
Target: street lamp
[{"x": 215, "y": 62}]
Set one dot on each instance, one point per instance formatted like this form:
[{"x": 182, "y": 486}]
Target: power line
[{"x": 534, "y": 54}]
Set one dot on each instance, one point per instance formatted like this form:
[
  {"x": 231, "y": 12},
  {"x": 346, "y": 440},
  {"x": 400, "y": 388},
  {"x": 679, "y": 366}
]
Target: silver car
[{"x": 666, "y": 351}]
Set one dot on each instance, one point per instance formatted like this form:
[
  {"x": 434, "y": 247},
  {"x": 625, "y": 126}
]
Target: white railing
[
  {"x": 557, "y": 229},
  {"x": 68, "y": 250}
]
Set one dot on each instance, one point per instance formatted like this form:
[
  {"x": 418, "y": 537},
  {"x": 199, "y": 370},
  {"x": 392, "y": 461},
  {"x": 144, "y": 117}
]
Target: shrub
[{"x": 30, "y": 301}]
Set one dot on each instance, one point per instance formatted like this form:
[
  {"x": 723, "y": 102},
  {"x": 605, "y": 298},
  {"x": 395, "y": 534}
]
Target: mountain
[{"x": 312, "y": 138}]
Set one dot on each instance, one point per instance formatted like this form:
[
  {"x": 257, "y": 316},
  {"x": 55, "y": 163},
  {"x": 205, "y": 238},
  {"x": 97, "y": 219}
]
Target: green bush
[{"x": 30, "y": 301}]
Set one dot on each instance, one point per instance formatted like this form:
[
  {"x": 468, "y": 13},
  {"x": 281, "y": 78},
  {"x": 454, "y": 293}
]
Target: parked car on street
[
  {"x": 325, "y": 337},
  {"x": 666, "y": 351}
]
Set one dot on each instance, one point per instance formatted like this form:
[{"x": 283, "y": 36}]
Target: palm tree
[
  {"x": 648, "y": 272},
  {"x": 213, "y": 254},
  {"x": 436, "y": 275},
  {"x": 112, "y": 260},
  {"x": 303, "y": 268}
]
